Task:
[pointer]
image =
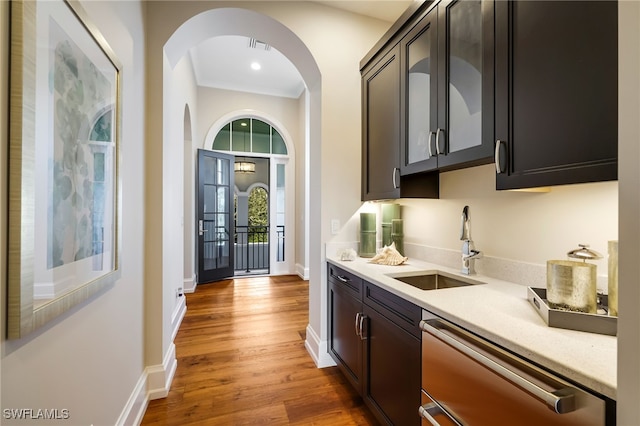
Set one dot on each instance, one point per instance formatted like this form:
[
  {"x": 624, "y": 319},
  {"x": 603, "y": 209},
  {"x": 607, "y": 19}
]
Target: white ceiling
[{"x": 225, "y": 62}]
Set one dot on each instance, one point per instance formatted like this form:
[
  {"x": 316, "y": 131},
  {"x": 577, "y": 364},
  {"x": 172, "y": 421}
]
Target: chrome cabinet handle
[
  {"x": 343, "y": 279},
  {"x": 358, "y": 324},
  {"x": 361, "y": 325},
  {"x": 395, "y": 184},
  {"x": 438, "y": 141},
  {"x": 497, "y": 157},
  {"x": 429, "y": 144},
  {"x": 561, "y": 400}
]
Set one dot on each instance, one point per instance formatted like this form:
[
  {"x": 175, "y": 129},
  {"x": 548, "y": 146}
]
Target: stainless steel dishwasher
[{"x": 467, "y": 380}]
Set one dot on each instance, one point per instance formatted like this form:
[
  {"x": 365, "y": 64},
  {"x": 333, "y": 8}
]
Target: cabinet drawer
[
  {"x": 401, "y": 312},
  {"x": 345, "y": 279}
]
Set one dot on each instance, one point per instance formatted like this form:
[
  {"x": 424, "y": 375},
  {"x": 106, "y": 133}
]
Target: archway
[
  {"x": 234, "y": 21},
  {"x": 280, "y": 180}
]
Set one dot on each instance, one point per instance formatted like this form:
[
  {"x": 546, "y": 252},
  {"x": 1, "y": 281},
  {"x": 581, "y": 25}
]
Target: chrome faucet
[{"x": 469, "y": 252}]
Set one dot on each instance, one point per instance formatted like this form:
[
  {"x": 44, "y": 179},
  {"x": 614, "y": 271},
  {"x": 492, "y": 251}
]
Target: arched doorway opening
[
  {"x": 170, "y": 168},
  {"x": 264, "y": 158}
]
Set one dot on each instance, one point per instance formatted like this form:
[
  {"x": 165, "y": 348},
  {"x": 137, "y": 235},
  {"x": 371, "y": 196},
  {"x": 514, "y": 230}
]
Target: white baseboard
[
  {"x": 159, "y": 377},
  {"x": 302, "y": 271},
  {"x": 189, "y": 285},
  {"x": 177, "y": 316},
  {"x": 136, "y": 406},
  {"x": 318, "y": 349},
  {"x": 155, "y": 381}
]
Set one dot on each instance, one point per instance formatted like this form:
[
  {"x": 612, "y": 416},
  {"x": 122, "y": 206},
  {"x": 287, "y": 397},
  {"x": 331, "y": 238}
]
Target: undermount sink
[{"x": 434, "y": 280}]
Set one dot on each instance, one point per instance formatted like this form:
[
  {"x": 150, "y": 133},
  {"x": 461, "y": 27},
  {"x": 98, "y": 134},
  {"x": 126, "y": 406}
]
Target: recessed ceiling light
[{"x": 255, "y": 66}]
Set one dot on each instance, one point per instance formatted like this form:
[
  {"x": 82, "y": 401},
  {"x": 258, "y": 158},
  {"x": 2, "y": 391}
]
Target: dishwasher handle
[
  {"x": 428, "y": 411},
  {"x": 561, "y": 400}
]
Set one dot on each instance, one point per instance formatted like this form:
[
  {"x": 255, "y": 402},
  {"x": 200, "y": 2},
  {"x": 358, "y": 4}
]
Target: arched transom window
[{"x": 249, "y": 135}]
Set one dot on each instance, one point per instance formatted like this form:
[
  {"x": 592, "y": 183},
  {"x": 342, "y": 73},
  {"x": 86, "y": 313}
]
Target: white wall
[
  {"x": 182, "y": 93},
  {"x": 523, "y": 226},
  {"x": 302, "y": 192},
  {"x": 90, "y": 359},
  {"x": 214, "y": 104}
]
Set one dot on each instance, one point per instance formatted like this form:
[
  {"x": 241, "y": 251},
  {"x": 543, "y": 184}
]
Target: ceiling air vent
[{"x": 257, "y": 44}]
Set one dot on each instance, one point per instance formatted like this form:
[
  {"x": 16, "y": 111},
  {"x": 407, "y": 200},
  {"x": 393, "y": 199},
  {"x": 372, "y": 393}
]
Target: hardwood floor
[{"x": 242, "y": 361}]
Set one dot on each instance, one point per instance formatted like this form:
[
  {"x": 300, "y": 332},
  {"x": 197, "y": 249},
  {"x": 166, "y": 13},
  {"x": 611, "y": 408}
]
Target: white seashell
[{"x": 388, "y": 255}]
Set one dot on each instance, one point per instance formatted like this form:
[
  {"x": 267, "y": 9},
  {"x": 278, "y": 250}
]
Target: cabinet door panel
[
  {"x": 345, "y": 346},
  {"x": 381, "y": 129},
  {"x": 557, "y": 92},
  {"x": 465, "y": 86},
  {"x": 392, "y": 383},
  {"x": 464, "y": 89},
  {"x": 420, "y": 87}
]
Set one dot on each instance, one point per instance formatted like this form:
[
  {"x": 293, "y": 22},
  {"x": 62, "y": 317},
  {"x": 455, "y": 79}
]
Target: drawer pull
[
  {"x": 427, "y": 411},
  {"x": 343, "y": 279}
]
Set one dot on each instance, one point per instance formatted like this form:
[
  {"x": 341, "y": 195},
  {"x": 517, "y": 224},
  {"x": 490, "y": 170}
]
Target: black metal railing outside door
[{"x": 251, "y": 245}]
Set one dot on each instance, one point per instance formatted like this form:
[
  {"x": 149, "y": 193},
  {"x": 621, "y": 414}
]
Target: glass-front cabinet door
[
  {"x": 447, "y": 82},
  {"x": 465, "y": 93},
  {"x": 420, "y": 86},
  {"x": 464, "y": 88}
]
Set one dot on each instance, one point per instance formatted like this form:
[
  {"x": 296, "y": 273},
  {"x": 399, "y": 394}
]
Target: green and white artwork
[{"x": 82, "y": 136}]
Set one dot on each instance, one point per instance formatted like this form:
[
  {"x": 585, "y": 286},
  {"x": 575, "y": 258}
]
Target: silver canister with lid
[{"x": 572, "y": 284}]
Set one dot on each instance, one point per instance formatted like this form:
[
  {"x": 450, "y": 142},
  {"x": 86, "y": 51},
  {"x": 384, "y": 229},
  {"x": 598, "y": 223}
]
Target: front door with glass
[{"x": 215, "y": 216}]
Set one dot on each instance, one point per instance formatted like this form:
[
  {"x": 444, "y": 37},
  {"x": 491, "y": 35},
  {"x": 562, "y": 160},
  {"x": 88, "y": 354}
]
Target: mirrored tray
[{"x": 580, "y": 321}]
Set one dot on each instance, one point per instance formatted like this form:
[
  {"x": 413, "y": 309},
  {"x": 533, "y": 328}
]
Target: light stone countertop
[{"x": 500, "y": 312}]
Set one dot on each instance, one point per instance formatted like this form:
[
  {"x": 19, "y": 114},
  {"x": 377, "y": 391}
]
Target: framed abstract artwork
[{"x": 64, "y": 144}]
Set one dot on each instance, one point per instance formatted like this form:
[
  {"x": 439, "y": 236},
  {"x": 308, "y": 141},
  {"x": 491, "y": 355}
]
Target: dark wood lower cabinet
[
  {"x": 392, "y": 380},
  {"x": 374, "y": 337},
  {"x": 345, "y": 345}
]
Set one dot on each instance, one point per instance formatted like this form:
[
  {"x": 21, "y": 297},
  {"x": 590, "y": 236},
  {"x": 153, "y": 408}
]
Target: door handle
[
  {"x": 438, "y": 141},
  {"x": 429, "y": 144},
  {"x": 497, "y": 157},
  {"x": 359, "y": 325},
  {"x": 201, "y": 229},
  {"x": 395, "y": 183}
]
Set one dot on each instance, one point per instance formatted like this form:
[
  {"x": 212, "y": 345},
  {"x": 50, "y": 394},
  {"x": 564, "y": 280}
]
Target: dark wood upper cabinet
[
  {"x": 447, "y": 87},
  {"x": 556, "y": 92},
  {"x": 420, "y": 88},
  {"x": 531, "y": 85},
  {"x": 381, "y": 128}
]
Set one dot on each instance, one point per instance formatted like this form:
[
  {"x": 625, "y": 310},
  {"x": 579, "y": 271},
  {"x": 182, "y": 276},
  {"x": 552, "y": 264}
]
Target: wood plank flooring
[{"x": 242, "y": 361}]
